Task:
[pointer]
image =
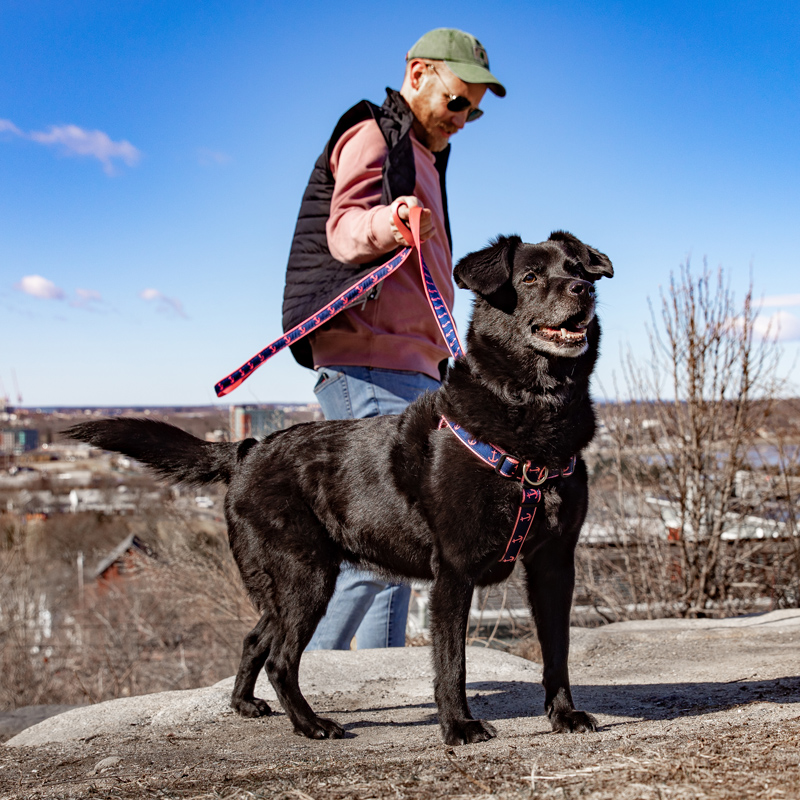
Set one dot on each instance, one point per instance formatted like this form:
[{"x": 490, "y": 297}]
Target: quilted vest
[{"x": 313, "y": 276}]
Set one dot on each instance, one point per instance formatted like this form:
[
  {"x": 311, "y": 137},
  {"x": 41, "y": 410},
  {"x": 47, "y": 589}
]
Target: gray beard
[{"x": 425, "y": 137}]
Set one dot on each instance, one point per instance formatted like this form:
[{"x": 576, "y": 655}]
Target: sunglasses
[{"x": 456, "y": 102}]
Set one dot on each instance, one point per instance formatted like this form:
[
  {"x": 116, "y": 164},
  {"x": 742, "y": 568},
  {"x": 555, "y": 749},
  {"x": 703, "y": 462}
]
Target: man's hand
[{"x": 426, "y": 228}]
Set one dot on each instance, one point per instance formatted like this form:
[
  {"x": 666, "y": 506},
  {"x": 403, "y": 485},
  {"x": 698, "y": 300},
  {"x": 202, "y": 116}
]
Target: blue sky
[{"x": 153, "y": 156}]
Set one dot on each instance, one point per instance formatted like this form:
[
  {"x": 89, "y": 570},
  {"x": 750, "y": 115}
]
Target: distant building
[
  {"x": 102, "y": 500},
  {"x": 37, "y": 502},
  {"x": 123, "y": 560},
  {"x": 302, "y": 412},
  {"x": 18, "y": 440},
  {"x": 255, "y": 421}
]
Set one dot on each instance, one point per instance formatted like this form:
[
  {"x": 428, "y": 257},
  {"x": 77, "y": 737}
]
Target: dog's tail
[{"x": 170, "y": 452}]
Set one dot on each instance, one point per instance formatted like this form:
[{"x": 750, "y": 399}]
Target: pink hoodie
[{"x": 397, "y": 330}]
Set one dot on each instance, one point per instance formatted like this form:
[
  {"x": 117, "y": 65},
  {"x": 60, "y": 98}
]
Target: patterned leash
[{"x": 355, "y": 293}]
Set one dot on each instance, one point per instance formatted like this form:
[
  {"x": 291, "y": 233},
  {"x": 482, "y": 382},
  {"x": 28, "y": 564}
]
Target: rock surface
[
  {"x": 688, "y": 708},
  {"x": 395, "y": 676}
]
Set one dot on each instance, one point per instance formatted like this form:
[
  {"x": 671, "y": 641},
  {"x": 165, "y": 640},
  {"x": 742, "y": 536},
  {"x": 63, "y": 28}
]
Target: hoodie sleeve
[{"x": 359, "y": 229}]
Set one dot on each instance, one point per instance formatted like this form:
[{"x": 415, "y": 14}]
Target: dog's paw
[
  {"x": 319, "y": 728},
  {"x": 468, "y": 731},
  {"x": 573, "y": 722},
  {"x": 255, "y": 707}
]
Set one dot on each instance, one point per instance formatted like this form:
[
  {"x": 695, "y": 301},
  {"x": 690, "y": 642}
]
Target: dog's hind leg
[
  {"x": 303, "y": 596},
  {"x": 254, "y": 655},
  {"x": 449, "y": 604},
  {"x": 551, "y": 580},
  {"x": 289, "y": 565},
  {"x": 294, "y": 607}
]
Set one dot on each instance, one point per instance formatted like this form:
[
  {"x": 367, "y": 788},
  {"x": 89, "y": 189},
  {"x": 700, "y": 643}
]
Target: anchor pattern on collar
[{"x": 508, "y": 466}]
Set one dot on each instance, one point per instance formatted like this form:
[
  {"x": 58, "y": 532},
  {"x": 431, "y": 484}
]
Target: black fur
[{"x": 399, "y": 495}]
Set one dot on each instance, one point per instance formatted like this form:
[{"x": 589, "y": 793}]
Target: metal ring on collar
[{"x": 543, "y": 473}]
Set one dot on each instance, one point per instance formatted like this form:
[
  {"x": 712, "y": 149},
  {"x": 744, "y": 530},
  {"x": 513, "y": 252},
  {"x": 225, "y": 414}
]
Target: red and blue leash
[{"x": 355, "y": 293}]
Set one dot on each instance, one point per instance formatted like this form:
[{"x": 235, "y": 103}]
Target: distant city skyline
[{"x": 153, "y": 156}]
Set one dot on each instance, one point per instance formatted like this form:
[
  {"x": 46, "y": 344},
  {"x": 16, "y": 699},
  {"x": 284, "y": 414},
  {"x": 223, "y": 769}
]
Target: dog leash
[
  {"x": 508, "y": 466},
  {"x": 358, "y": 291}
]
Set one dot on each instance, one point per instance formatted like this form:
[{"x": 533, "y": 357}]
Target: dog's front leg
[
  {"x": 551, "y": 580},
  {"x": 449, "y": 605}
]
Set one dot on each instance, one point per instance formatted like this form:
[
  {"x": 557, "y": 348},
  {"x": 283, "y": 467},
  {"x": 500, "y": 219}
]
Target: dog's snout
[{"x": 581, "y": 288}]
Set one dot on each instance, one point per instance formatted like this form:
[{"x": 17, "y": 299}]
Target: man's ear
[
  {"x": 594, "y": 262},
  {"x": 414, "y": 76},
  {"x": 485, "y": 271}
]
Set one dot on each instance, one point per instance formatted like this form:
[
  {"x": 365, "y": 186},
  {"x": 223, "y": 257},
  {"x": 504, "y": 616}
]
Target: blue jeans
[{"x": 363, "y": 605}]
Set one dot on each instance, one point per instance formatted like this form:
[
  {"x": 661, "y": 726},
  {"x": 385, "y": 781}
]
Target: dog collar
[{"x": 508, "y": 466}]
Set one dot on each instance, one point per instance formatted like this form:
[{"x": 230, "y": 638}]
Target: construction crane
[{"x": 16, "y": 387}]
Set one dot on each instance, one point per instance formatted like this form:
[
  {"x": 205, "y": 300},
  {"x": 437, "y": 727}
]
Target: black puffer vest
[{"x": 313, "y": 276}]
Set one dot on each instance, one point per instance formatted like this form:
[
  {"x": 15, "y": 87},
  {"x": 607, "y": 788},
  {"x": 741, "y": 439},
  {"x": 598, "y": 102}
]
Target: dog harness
[
  {"x": 508, "y": 466},
  {"x": 504, "y": 464}
]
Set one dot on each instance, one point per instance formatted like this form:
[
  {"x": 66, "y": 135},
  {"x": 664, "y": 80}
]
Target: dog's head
[{"x": 546, "y": 289}]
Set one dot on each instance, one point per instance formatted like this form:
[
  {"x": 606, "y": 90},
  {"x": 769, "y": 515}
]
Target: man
[{"x": 377, "y": 357}]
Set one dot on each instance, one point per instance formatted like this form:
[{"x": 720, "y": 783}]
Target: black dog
[{"x": 402, "y": 495}]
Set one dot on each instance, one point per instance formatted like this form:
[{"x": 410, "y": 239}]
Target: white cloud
[
  {"x": 166, "y": 305},
  {"x": 8, "y": 126},
  {"x": 782, "y": 326},
  {"x": 780, "y": 300},
  {"x": 37, "y": 286},
  {"x": 74, "y": 141}
]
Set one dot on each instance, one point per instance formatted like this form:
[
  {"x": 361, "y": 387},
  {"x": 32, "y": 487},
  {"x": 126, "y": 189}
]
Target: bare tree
[
  {"x": 782, "y": 483},
  {"x": 698, "y": 407}
]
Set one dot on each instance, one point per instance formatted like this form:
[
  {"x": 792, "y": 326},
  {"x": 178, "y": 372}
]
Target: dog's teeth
[{"x": 564, "y": 332}]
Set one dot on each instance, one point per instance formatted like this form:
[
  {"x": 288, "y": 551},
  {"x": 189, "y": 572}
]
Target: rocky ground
[{"x": 688, "y": 709}]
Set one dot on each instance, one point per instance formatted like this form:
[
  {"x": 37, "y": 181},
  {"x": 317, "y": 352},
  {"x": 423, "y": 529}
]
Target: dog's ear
[
  {"x": 599, "y": 263},
  {"x": 594, "y": 262},
  {"x": 485, "y": 271}
]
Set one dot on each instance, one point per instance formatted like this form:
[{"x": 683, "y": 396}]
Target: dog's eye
[{"x": 529, "y": 278}]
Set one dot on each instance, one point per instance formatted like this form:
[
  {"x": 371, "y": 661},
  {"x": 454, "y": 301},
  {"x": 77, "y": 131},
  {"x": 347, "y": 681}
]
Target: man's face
[{"x": 431, "y": 86}]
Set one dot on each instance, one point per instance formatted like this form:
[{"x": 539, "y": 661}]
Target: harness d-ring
[{"x": 543, "y": 472}]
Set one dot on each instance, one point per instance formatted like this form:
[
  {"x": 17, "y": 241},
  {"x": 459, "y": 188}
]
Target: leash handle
[{"x": 410, "y": 232}]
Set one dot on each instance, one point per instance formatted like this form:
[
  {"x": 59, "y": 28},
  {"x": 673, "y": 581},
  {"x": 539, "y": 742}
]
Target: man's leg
[
  {"x": 352, "y": 599},
  {"x": 376, "y": 608},
  {"x": 384, "y": 624}
]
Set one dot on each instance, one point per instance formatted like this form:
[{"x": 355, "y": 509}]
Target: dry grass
[
  {"x": 723, "y": 764},
  {"x": 175, "y": 622}
]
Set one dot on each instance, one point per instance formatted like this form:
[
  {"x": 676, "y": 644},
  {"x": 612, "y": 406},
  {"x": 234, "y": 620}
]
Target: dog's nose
[{"x": 581, "y": 287}]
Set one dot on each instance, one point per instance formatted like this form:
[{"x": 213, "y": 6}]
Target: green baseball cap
[{"x": 463, "y": 54}]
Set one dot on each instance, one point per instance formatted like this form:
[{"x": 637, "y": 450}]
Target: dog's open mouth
[{"x": 570, "y": 333}]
